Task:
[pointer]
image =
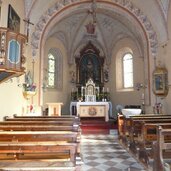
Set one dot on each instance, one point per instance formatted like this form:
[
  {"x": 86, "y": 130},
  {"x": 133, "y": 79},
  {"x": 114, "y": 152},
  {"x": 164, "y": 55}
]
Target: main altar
[
  {"x": 89, "y": 96},
  {"x": 93, "y": 109},
  {"x": 88, "y": 106}
]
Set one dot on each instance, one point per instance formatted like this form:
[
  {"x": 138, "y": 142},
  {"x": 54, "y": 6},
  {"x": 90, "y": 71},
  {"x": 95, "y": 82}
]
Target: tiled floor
[{"x": 103, "y": 153}]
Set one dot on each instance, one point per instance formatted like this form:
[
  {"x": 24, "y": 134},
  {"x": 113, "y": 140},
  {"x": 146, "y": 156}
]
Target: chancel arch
[{"x": 136, "y": 25}]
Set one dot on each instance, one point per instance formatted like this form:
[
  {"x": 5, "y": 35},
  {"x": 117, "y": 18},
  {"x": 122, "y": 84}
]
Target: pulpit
[{"x": 54, "y": 109}]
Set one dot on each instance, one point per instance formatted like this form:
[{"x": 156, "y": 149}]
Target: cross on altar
[{"x": 28, "y": 23}]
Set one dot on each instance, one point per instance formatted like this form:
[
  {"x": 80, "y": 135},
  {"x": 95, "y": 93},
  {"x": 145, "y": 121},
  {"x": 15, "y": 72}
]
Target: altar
[
  {"x": 93, "y": 109},
  {"x": 88, "y": 106}
]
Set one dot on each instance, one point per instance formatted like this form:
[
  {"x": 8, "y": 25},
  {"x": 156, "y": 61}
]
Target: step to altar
[{"x": 97, "y": 126}]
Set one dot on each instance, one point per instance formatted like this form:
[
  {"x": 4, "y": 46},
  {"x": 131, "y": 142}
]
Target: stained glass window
[
  {"x": 128, "y": 70},
  {"x": 51, "y": 71}
]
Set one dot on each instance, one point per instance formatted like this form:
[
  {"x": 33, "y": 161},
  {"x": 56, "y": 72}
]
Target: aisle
[{"x": 103, "y": 153}]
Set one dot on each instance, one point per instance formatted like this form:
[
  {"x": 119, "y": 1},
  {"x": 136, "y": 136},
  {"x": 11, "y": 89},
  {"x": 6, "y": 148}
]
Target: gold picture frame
[{"x": 160, "y": 81}]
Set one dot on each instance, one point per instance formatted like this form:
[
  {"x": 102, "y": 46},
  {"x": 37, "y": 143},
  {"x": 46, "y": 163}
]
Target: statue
[{"x": 90, "y": 28}]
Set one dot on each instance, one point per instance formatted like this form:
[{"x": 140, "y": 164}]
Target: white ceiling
[{"x": 111, "y": 25}]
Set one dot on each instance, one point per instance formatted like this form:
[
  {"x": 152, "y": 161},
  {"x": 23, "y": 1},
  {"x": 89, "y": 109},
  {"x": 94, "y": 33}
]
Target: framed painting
[
  {"x": 160, "y": 81},
  {"x": 13, "y": 20}
]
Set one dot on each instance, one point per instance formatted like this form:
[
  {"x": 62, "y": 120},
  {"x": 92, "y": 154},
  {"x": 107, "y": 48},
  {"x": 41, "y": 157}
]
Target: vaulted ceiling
[{"x": 112, "y": 25}]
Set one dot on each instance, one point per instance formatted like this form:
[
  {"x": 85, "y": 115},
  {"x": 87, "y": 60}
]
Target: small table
[{"x": 54, "y": 109}]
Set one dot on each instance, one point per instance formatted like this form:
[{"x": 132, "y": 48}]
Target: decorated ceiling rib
[{"x": 124, "y": 4}]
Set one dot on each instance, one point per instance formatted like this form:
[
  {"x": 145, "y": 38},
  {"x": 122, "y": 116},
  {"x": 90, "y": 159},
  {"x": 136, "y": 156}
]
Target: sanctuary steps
[{"x": 97, "y": 125}]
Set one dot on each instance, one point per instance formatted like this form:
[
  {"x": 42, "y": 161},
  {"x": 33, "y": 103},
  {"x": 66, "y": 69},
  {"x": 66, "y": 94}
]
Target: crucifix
[{"x": 28, "y": 23}]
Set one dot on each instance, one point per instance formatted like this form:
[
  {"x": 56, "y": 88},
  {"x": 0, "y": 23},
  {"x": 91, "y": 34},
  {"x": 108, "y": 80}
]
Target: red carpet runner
[{"x": 97, "y": 126}]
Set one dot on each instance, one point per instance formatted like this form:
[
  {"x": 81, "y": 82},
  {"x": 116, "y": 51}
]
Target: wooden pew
[
  {"x": 127, "y": 124},
  {"x": 149, "y": 132},
  {"x": 42, "y": 118},
  {"x": 11, "y": 127},
  {"x": 38, "y": 136},
  {"x": 57, "y": 122},
  {"x": 43, "y": 126},
  {"x": 66, "y": 130},
  {"x": 35, "y": 146},
  {"x": 28, "y": 151},
  {"x": 134, "y": 137},
  {"x": 68, "y": 136},
  {"x": 145, "y": 141},
  {"x": 162, "y": 150},
  {"x": 120, "y": 121},
  {"x": 124, "y": 123},
  {"x": 62, "y": 116},
  {"x": 138, "y": 126},
  {"x": 136, "y": 133}
]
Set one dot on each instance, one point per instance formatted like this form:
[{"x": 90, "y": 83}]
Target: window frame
[
  {"x": 123, "y": 72},
  {"x": 54, "y": 85}
]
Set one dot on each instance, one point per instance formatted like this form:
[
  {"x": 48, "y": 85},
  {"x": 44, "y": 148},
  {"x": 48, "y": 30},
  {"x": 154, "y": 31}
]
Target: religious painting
[
  {"x": 160, "y": 81},
  {"x": 90, "y": 68},
  {"x": 13, "y": 20},
  {"x": 89, "y": 65}
]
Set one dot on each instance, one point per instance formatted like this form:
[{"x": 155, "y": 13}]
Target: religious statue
[
  {"x": 72, "y": 74},
  {"x": 90, "y": 28},
  {"x": 89, "y": 69},
  {"x": 106, "y": 75}
]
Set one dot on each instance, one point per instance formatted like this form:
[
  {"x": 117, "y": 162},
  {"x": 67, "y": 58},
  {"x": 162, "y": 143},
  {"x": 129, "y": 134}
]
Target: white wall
[
  {"x": 63, "y": 94},
  {"x": 132, "y": 97},
  {"x": 165, "y": 56}
]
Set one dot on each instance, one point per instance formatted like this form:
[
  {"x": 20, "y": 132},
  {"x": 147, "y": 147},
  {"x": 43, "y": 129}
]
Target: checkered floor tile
[{"x": 104, "y": 153}]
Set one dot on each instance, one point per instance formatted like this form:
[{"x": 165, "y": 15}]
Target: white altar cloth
[
  {"x": 106, "y": 104},
  {"x": 74, "y": 104}
]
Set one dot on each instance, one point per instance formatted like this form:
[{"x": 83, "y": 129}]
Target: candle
[
  {"x": 103, "y": 90},
  {"x": 81, "y": 91}
]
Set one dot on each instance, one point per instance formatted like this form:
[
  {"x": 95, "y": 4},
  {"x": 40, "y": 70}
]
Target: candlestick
[{"x": 103, "y": 90}]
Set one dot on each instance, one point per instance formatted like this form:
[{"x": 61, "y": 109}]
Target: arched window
[
  {"x": 124, "y": 70},
  {"x": 51, "y": 70},
  {"x": 127, "y": 70},
  {"x": 55, "y": 69}
]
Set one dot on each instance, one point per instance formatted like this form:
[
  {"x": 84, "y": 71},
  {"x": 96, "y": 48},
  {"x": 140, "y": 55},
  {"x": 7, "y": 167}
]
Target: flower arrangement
[{"x": 29, "y": 87}]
